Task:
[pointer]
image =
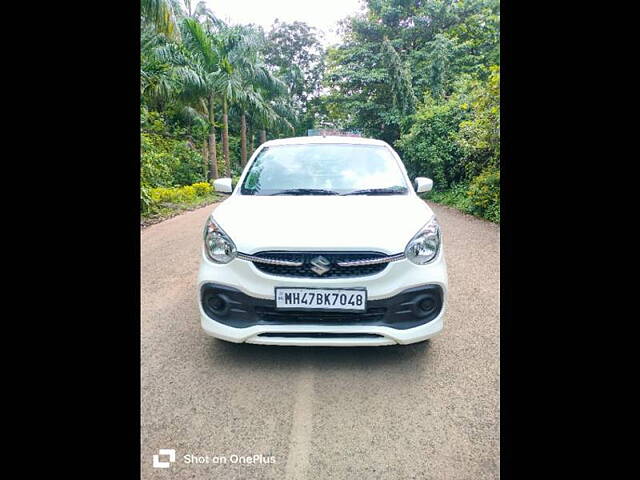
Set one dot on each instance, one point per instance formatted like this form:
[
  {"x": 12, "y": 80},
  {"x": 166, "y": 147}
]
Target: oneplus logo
[{"x": 164, "y": 451}]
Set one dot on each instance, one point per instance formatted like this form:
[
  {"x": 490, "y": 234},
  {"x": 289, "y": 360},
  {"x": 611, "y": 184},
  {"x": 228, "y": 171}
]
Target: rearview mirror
[
  {"x": 222, "y": 185},
  {"x": 423, "y": 184}
]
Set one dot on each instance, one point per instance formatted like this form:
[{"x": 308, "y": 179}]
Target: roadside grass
[{"x": 166, "y": 210}]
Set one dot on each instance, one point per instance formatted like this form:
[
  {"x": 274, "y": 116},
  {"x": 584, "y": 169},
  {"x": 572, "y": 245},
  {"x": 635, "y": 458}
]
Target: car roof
[{"x": 322, "y": 139}]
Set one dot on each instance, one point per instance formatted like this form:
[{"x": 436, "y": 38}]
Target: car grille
[
  {"x": 305, "y": 270},
  {"x": 271, "y": 315}
]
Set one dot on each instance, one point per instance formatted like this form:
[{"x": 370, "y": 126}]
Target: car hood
[{"x": 383, "y": 223}]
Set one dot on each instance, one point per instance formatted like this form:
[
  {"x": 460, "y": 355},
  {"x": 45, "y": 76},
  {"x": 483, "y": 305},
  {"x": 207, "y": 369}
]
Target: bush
[
  {"x": 484, "y": 195},
  {"x": 455, "y": 140},
  {"x": 163, "y": 195},
  {"x": 479, "y": 135},
  {"x": 429, "y": 148},
  {"x": 188, "y": 165},
  {"x": 480, "y": 197},
  {"x": 167, "y": 159},
  {"x": 202, "y": 188},
  {"x": 166, "y": 162},
  {"x": 156, "y": 197},
  {"x": 155, "y": 168}
]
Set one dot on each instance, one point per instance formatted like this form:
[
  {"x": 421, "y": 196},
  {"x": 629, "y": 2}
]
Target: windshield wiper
[
  {"x": 305, "y": 191},
  {"x": 379, "y": 191}
]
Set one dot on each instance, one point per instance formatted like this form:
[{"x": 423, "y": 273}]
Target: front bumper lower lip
[{"x": 384, "y": 335}]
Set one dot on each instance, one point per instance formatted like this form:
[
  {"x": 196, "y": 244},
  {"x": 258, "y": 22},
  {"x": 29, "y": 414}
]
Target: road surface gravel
[{"x": 424, "y": 411}]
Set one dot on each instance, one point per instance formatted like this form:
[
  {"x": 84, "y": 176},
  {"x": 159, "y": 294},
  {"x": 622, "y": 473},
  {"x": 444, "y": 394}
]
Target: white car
[{"x": 323, "y": 242}]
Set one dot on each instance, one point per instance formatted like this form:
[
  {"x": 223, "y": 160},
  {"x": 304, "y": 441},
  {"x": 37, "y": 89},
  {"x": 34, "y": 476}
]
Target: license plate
[{"x": 342, "y": 299}]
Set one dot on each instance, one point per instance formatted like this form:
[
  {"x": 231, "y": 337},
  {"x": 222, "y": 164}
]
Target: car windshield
[{"x": 324, "y": 169}]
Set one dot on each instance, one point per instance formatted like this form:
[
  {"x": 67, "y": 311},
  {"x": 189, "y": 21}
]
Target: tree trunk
[
  {"x": 243, "y": 140},
  {"x": 263, "y": 136},
  {"x": 213, "y": 160},
  {"x": 205, "y": 159},
  {"x": 249, "y": 139},
  {"x": 225, "y": 138}
]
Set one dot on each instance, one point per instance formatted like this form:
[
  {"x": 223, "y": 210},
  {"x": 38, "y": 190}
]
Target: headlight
[
  {"x": 218, "y": 246},
  {"x": 424, "y": 247}
]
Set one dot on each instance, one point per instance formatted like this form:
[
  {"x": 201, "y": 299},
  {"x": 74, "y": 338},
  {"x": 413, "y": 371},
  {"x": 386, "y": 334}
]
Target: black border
[{"x": 83, "y": 153}]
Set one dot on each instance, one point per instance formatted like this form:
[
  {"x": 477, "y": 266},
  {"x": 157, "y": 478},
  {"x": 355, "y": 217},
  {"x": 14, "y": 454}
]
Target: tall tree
[
  {"x": 262, "y": 89},
  {"x": 160, "y": 14},
  {"x": 296, "y": 54},
  {"x": 400, "y": 45},
  {"x": 246, "y": 82},
  {"x": 200, "y": 78}
]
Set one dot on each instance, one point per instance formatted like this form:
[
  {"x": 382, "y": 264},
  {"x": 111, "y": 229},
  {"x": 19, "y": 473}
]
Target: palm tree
[
  {"x": 201, "y": 13},
  {"x": 228, "y": 84},
  {"x": 160, "y": 13},
  {"x": 158, "y": 84},
  {"x": 201, "y": 81},
  {"x": 212, "y": 80},
  {"x": 255, "y": 78},
  {"x": 283, "y": 115},
  {"x": 217, "y": 69},
  {"x": 251, "y": 107},
  {"x": 194, "y": 68}
]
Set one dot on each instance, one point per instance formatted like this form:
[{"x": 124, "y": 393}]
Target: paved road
[{"x": 427, "y": 411}]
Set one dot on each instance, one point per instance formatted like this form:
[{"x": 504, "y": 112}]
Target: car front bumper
[{"x": 400, "y": 284}]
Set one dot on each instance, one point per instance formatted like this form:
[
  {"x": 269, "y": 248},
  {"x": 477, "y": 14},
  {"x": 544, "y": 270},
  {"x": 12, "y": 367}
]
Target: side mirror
[
  {"x": 222, "y": 185},
  {"x": 423, "y": 184}
]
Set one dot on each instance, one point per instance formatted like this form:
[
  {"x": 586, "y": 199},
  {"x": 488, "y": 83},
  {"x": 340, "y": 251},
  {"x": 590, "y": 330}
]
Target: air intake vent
[{"x": 320, "y": 335}]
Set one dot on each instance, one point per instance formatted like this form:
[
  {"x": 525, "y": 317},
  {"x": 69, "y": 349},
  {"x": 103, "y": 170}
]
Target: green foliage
[
  {"x": 484, "y": 195},
  {"x": 167, "y": 161},
  {"x": 368, "y": 85},
  {"x": 295, "y": 50},
  {"x": 456, "y": 196},
  {"x": 160, "y": 14},
  {"x": 162, "y": 197},
  {"x": 234, "y": 154},
  {"x": 457, "y": 143},
  {"x": 480, "y": 197},
  {"x": 479, "y": 134},
  {"x": 202, "y": 188},
  {"x": 172, "y": 195},
  {"x": 145, "y": 197},
  {"x": 454, "y": 140},
  {"x": 155, "y": 167},
  {"x": 433, "y": 65},
  {"x": 437, "y": 41},
  {"x": 422, "y": 75},
  {"x": 429, "y": 148}
]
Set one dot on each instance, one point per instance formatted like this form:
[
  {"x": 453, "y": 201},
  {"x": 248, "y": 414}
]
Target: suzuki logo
[{"x": 320, "y": 265}]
